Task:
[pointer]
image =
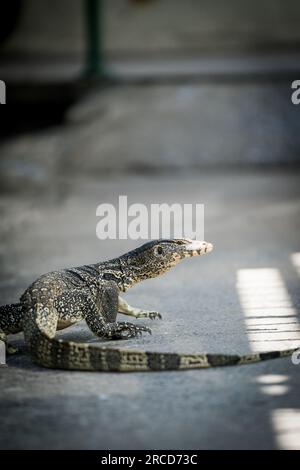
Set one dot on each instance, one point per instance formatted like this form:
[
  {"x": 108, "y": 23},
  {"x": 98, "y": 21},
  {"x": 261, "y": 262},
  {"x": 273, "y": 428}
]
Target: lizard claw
[
  {"x": 127, "y": 330},
  {"x": 151, "y": 315},
  {"x": 146, "y": 330},
  {"x": 138, "y": 330}
]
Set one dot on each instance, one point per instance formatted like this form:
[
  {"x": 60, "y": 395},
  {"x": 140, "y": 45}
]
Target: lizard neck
[
  {"x": 112, "y": 270},
  {"x": 122, "y": 270},
  {"x": 132, "y": 272},
  {"x": 129, "y": 277}
]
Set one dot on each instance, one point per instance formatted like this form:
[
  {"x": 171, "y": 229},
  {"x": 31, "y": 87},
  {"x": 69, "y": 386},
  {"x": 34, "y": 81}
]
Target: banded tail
[{"x": 60, "y": 354}]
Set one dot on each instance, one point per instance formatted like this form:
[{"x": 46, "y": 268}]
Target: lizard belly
[{"x": 62, "y": 324}]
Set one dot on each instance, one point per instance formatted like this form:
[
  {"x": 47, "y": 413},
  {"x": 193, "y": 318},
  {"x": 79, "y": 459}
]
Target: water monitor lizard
[{"x": 61, "y": 298}]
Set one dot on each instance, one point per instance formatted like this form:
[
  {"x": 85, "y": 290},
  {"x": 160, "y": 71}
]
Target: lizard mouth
[{"x": 198, "y": 248}]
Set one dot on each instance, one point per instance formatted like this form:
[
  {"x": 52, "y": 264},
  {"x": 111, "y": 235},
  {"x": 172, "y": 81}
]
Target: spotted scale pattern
[{"x": 91, "y": 292}]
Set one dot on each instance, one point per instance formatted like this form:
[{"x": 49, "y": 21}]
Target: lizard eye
[{"x": 159, "y": 250}]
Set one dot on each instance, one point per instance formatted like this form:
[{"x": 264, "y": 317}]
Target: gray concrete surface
[
  {"x": 211, "y": 68},
  {"x": 160, "y": 127},
  {"x": 253, "y": 220}
]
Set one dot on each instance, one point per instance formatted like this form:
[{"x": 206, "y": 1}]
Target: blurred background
[
  {"x": 179, "y": 84},
  {"x": 162, "y": 101}
]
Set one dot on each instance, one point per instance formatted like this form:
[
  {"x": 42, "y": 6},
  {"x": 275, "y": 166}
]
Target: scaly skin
[{"x": 62, "y": 298}]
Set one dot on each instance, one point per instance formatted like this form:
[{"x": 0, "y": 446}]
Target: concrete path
[{"x": 210, "y": 304}]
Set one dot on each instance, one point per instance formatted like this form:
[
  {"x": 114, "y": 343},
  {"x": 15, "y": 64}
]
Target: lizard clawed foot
[
  {"x": 125, "y": 330},
  {"x": 151, "y": 315}
]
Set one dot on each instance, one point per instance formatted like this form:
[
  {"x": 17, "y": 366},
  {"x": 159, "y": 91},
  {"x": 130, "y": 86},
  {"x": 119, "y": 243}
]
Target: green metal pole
[{"x": 94, "y": 38}]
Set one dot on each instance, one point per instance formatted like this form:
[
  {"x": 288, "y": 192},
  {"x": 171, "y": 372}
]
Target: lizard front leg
[
  {"x": 126, "y": 309},
  {"x": 99, "y": 314},
  {"x": 107, "y": 300}
]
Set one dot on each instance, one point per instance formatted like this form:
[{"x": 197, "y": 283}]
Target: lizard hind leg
[{"x": 40, "y": 322}]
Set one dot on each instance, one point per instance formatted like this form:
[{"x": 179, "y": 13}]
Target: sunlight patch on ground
[
  {"x": 270, "y": 317},
  {"x": 295, "y": 258},
  {"x": 275, "y": 390},
  {"x": 273, "y": 384},
  {"x": 286, "y": 423},
  {"x": 271, "y": 379}
]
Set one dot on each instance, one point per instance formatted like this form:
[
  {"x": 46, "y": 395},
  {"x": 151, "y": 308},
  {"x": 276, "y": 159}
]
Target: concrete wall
[{"x": 159, "y": 26}]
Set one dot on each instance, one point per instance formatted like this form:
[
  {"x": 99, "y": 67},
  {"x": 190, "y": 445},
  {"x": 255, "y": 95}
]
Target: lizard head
[{"x": 159, "y": 256}]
